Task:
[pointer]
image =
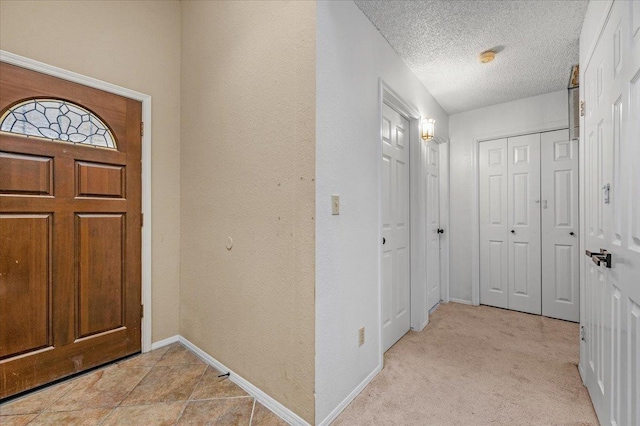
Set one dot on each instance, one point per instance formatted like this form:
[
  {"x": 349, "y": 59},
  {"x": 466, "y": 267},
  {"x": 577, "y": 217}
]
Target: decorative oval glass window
[{"x": 59, "y": 121}]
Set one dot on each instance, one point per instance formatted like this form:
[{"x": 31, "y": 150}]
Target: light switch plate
[{"x": 335, "y": 204}]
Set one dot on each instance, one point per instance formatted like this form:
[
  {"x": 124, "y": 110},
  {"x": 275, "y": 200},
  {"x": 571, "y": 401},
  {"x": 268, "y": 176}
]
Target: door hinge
[
  {"x": 582, "y": 333},
  {"x": 142, "y": 128},
  {"x": 141, "y": 219},
  {"x": 582, "y": 107},
  {"x": 141, "y": 311}
]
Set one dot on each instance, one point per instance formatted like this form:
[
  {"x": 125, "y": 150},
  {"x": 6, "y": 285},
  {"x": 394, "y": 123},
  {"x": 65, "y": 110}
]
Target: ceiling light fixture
[{"x": 487, "y": 56}]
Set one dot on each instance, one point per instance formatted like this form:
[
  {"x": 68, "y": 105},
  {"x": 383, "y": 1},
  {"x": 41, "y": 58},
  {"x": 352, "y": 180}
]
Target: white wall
[
  {"x": 529, "y": 115},
  {"x": 248, "y": 72},
  {"x": 351, "y": 57}
]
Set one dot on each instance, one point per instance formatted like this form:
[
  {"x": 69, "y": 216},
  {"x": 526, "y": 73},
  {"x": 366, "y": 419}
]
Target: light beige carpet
[{"x": 478, "y": 366}]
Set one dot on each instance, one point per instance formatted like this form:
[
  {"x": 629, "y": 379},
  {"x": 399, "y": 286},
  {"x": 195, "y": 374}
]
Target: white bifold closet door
[
  {"x": 560, "y": 248},
  {"x": 510, "y": 261},
  {"x": 525, "y": 290},
  {"x": 529, "y": 258},
  {"x": 494, "y": 227}
]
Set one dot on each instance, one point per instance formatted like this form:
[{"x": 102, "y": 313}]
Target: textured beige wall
[
  {"x": 134, "y": 44},
  {"x": 247, "y": 172}
]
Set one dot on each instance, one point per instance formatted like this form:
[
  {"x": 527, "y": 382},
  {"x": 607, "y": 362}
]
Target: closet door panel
[
  {"x": 494, "y": 283},
  {"x": 560, "y": 244},
  {"x": 523, "y": 186}
]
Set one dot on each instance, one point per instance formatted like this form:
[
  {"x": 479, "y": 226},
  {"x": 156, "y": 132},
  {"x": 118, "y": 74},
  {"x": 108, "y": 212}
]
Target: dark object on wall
[{"x": 575, "y": 106}]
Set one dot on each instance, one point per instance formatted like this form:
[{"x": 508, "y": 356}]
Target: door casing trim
[
  {"x": 31, "y": 64},
  {"x": 416, "y": 238}
]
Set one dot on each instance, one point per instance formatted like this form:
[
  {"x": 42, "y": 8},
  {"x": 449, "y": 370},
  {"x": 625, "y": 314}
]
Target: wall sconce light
[{"x": 428, "y": 128}]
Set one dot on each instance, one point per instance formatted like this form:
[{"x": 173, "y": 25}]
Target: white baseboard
[
  {"x": 464, "y": 302},
  {"x": 164, "y": 342},
  {"x": 345, "y": 402},
  {"x": 260, "y": 396}
]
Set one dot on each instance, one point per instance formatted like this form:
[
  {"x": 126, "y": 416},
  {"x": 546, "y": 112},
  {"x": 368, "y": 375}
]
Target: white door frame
[
  {"x": 475, "y": 213},
  {"x": 63, "y": 74},
  {"x": 416, "y": 270},
  {"x": 418, "y": 287}
]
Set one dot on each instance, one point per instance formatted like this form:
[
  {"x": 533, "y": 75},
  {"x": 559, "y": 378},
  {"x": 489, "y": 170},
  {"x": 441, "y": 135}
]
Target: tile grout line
[
  {"x": 129, "y": 393},
  {"x": 220, "y": 397},
  {"x": 194, "y": 389},
  {"x": 253, "y": 410},
  {"x": 76, "y": 379}
]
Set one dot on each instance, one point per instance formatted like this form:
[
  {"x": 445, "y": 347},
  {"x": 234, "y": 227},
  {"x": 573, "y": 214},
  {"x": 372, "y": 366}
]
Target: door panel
[
  {"x": 25, "y": 174},
  {"x": 494, "y": 262},
  {"x": 26, "y": 264},
  {"x": 70, "y": 240},
  {"x": 610, "y": 356},
  {"x": 432, "y": 186},
  {"x": 100, "y": 180},
  {"x": 524, "y": 223},
  {"x": 396, "y": 319},
  {"x": 100, "y": 254},
  {"x": 560, "y": 243}
]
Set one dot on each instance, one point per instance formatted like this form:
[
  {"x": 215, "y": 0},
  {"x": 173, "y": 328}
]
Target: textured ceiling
[{"x": 441, "y": 40}]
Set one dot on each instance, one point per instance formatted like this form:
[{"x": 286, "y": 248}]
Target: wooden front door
[{"x": 70, "y": 228}]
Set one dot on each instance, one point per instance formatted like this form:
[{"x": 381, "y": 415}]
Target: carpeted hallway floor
[{"x": 478, "y": 366}]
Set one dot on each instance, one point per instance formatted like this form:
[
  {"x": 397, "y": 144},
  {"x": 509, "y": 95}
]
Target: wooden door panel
[
  {"x": 100, "y": 180},
  {"x": 53, "y": 363},
  {"x": 84, "y": 203},
  {"x": 25, "y": 283},
  {"x": 25, "y": 174},
  {"x": 80, "y": 205},
  {"x": 100, "y": 254}
]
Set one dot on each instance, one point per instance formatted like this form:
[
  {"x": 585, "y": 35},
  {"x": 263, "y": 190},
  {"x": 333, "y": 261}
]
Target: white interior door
[
  {"x": 432, "y": 196},
  {"x": 396, "y": 319},
  {"x": 525, "y": 271},
  {"x": 610, "y": 352},
  {"x": 560, "y": 257},
  {"x": 494, "y": 261}
]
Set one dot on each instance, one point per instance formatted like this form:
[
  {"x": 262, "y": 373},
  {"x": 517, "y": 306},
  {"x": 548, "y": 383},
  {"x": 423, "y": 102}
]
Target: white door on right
[
  {"x": 610, "y": 350},
  {"x": 560, "y": 244}
]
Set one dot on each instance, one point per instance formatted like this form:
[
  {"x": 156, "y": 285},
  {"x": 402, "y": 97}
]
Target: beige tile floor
[{"x": 168, "y": 386}]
